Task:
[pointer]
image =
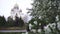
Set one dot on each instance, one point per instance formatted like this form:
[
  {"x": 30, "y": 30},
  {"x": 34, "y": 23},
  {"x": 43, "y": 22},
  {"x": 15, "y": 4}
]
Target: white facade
[{"x": 15, "y": 11}]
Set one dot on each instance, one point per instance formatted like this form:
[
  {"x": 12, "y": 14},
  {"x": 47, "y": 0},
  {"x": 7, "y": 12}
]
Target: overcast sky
[{"x": 7, "y": 5}]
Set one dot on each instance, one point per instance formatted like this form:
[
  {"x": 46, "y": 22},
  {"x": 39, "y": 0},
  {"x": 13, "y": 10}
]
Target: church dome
[{"x": 16, "y": 6}]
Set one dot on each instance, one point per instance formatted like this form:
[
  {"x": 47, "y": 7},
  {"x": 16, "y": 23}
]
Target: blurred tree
[
  {"x": 18, "y": 21},
  {"x": 10, "y": 22},
  {"x": 2, "y": 21},
  {"x": 48, "y": 10},
  {"x": 21, "y": 22}
]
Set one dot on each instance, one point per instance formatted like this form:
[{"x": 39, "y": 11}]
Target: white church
[{"x": 16, "y": 11}]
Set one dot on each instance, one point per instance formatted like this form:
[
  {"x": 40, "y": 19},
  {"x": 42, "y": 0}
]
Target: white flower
[{"x": 35, "y": 22}]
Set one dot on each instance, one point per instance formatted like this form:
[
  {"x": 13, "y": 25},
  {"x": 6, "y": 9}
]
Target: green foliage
[
  {"x": 48, "y": 10},
  {"x": 10, "y": 22},
  {"x": 2, "y": 21},
  {"x": 11, "y": 33},
  {"x": 19, "y": 21}
]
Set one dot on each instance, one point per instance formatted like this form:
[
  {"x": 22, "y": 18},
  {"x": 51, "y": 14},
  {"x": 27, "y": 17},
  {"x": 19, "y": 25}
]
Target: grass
[
  {"x": 14, "y": 33},
  {"x": 13, "y": 28},
  {"x": 10, "y": 32}
]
